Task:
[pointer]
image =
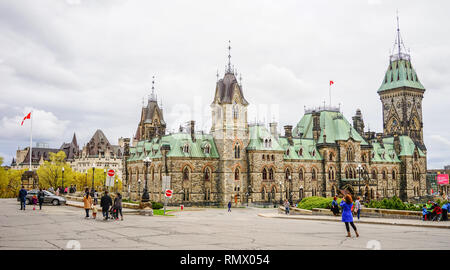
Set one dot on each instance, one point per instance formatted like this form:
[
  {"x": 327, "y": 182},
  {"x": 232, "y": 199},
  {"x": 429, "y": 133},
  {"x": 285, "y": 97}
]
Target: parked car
[{"x": 48, "y": 197}]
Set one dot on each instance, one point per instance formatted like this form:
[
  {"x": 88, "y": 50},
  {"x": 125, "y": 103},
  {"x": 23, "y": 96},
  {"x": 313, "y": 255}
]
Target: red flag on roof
[
  {"x": 331, "y": 82},
  {"x": 26, "y": 117}
]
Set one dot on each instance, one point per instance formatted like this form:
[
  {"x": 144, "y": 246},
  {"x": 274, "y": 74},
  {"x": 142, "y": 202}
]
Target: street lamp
[
  {"x": 359, "y": 169},
  {"x": 289, "y": 193},
  {"x": 117, "y": 184},
  {"x": 281, "y": 195},
  {"x": 145, "y": 196},
  {"x": 93, "y": 172},
  {"x": 139, "y": 187},
  {"x": 104, "y": 185},
  {"x": 63, "y": 180}
]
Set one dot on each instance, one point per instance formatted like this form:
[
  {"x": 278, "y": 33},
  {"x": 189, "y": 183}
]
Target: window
[
  {"x": 331, "y": 174},
  {"x": 331, "y": 157},
  {"x": 186, "y": 174},
  {"x": 207, "y": 149},
  {"x": 186, "y": 148},
  {"x": 270, "y": 174},
  {"x": 288, "y": 174},
  {"x": 287, "y": 152},
  {"x": 416, "y": 174},
  {"x": 273, "y": 158},
  {"x": 300, "y": 152},
  {"x": 384, "y": 175},
  {"x": 207, "y": 174},
  {"x": 263, "y": 157},
  {"x": 394, "y": 175},
  {"x": 264, "y": 174},
  {"x": 237, "y": 151},
  {"x": 235, "y": 111},
  {"x": 236, "y": 174},
  {"x": 350, "y": 154},
  {"x": 301, "y": 174},
  {"x": 374, "y": 175},
  {"x": 313, "y": 174}
]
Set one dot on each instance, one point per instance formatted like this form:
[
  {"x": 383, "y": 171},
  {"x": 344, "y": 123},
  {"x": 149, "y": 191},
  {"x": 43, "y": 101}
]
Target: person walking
[
  {"x": 445, "y": 209},
  {"x": 22, "y": 197},
  {"x": 40, "y": 195},
  {"x": 105, "y": 203},
  {"x": 347, "y": 217},
  {"x": 95, "y": 197},
  {"x": 118, "y": 206},
  {"x": 286, "y": 207},
  {"x": 334, "y": 206},
  {"x": 357, "y": 208},
  {"x": 87, "y": 200},
  {"x": 34, "y": 201},
  {"x": 229, "y": 206},
  {"x": 57, "y": 192}
]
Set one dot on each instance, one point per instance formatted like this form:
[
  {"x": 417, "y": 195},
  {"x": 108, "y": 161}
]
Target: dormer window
[
  {"x": 314, "y": 153},
  {"x": 186, "y": 148},
  {"x": 287, "y": 152},
  {"x": 300, "y": 152},
  {"x": 207, "y": 149}
]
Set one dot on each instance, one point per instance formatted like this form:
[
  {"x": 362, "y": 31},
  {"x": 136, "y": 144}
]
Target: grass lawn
[{"x": 160, "y": 212}]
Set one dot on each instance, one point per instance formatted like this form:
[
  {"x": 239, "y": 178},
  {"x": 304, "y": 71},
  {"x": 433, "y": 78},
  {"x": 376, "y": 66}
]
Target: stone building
[{"x": 323, "y": 155}]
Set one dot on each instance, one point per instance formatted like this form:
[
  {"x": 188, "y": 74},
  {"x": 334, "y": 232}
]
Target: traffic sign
[
  {"x": 111, "y": 172},
  {"x": 169, "y": 193}
]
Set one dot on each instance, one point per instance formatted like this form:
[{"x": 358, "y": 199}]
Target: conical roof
[
  {"x": 400, "y": 73},
  {"x": 226, "y": 87}
]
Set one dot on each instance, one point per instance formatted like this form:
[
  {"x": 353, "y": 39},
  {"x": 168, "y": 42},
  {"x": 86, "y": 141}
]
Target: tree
[
  {"x": 50, "y": 173},
  {"x": 10, "y": 182}
]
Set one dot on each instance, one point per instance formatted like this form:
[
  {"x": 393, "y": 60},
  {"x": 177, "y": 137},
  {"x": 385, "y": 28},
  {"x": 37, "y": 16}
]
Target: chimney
[
  {"x": 316, "y": 125},
  {"x": 273, "y": 129},
  {"x": 288, "y": 134},
  {"x": 192, "y": 129}
]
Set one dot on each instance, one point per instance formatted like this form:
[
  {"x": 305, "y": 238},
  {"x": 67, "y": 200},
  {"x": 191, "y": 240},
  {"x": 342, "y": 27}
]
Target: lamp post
[
  {"x": 117, "y": 184},
  {"x": 289, "y": 189},
  {"x": 139, "y": 188},
  {"x": 93, "y": 172},
  {"x": 281, "y": 195},
  {"x": 104, "y": 174},
  {"x": 359, "y": 169},
  {"x": 145, "y": 196},
  {"x": 63, "y": 180},
  {"x": 85, "y": 184}
]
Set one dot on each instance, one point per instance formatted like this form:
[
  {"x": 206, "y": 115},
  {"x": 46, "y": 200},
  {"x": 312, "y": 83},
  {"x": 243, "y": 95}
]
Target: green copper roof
[
  {"x": 177, "y": 141},
  {"x": 333, "y": 123},
  {"x": 400, "y": 73},
  {"x": 386, "y": 152},
  {"x": 309, "y": 149},
  {"x": 408, "y": 147},
  {"x": 258, "y": 135}
]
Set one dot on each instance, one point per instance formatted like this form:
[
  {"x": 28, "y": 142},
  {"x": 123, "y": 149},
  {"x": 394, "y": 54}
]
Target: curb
[{"x": 361, "y": 221}]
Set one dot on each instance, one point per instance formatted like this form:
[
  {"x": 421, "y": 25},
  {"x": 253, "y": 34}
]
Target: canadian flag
[
  {"x": 26, "y": 117},
  {"x": 331, "y": 82}
]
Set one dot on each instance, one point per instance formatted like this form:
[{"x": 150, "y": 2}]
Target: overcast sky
[{"x": 83, "y": 65}]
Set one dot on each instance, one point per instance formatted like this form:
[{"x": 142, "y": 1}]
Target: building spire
[
  {"x": 152, "y": 96},
  {"x": 399, "y": 46},
  {"x": 229, "y": 70}
]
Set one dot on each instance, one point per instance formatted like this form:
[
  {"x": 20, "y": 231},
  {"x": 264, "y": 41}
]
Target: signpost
[
  {"x": 166, "y": 189},
  {"x": 110, "y": 178}
]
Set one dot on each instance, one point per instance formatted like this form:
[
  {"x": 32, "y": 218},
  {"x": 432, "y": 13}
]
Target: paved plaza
[{"x": 55, "y": 227}]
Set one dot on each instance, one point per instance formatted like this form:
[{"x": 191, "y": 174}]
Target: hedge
[
  {"x": 393, "y": 203},
  {"x": 316, "y": 202}
]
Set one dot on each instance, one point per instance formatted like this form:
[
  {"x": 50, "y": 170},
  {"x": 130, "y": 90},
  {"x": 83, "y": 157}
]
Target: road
[{"x": 210, "y": 229}]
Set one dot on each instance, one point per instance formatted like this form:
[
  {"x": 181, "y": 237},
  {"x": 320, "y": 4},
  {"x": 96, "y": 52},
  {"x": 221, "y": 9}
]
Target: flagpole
[
  {"x": 329, "y": 92},
  {"x": 31, "y": 140}
]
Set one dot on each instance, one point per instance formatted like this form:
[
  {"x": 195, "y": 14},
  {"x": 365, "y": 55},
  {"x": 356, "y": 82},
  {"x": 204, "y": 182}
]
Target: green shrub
[
  {"x": 393, "y": 203},
  {"x": 316, "y": 202},
  {"x": 157, "y": 205}
]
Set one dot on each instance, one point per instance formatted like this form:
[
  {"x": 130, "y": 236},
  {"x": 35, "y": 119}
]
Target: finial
[
  {"x": 240, "y": 79},
  {"x": 143, "y": 98},
  {"x": 152, "y": 96},
  {"x": 229, "y": 56},
  {"x": 217, "y": 75}
]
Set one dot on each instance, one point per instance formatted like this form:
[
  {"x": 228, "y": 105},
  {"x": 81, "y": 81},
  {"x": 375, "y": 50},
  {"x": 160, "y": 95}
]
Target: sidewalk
[
  {"x": 125, "y": 211},
  {"x": 366, "y": 220}
]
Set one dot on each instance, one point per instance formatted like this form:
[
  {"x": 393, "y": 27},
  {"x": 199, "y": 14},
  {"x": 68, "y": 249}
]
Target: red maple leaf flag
[
  {"x": 26, "y": 117},
  {"x": 331, "y": 82}
]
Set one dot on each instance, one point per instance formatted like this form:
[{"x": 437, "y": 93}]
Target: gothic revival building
[{"x": 323, "y": 155}]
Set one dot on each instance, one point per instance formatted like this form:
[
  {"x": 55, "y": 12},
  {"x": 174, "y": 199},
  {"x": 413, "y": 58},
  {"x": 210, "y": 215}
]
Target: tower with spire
[
  {"x": 401, "y": 94},
  {"x": 152, "y": 122},
  {"x": 230, "y": 131}
]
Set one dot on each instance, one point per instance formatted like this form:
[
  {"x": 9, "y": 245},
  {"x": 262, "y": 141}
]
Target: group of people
[
  {"x": 39, "y": 198},
  {"x": 356, "y": 207},
  {"x": 106, "y": 203},
  {"x": 434, "y": 212}
]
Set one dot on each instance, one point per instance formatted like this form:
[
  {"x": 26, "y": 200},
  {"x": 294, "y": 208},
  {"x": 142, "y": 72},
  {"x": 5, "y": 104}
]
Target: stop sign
[
  {"x": 111, "y": 173},
  {"x": 169, "y": 193}
]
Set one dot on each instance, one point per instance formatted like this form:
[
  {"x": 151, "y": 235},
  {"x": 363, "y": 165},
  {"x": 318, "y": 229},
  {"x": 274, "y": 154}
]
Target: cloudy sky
[{"x": 83, "y": 65}]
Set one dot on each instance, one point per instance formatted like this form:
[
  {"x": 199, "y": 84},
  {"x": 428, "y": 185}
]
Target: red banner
[{"x": 442, "y": 179}]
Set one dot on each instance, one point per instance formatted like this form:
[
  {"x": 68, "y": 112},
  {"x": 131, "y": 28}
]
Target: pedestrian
[
  {"x": 445, "y": 209},
  {"x": 334, "y": 206},
  {"x": 22, "y": 198},
  {"x": 424, "y": 212},
  {"x": 437, "y": 212},
  {"x": 65, "y": 190},
  {"x": 118, "y": 206},
  {"x": 50, "y": 189},
  {"x": 95, "y": 197},
  {"x": 57, "y": 192},
  {"x": 105, "y": 203},
  {"x": 34, "y": 201},
  {"x": 347, "y": 217},
  {"x": 87, "y": 200},
  {"x": 94, "y": 210},
  {"x": 41, "y": 195},
  {"x": 229, "y": 206},
  {"x": 286, "y": 207},
  {"x": 357, "y": 207},
  {"x": 429, "y": 208}
]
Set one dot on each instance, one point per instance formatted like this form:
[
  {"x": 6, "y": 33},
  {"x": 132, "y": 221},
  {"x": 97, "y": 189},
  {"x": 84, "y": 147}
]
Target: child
[
  {"x": 94, "y": 211},
  {"x": 34, "y": 201},
  {"x": 424, "y": 212}
]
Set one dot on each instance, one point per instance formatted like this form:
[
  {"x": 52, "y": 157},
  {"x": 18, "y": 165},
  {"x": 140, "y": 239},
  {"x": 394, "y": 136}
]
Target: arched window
[
  {"x": 287, "y": 152},
  {"x": 264, "y": 174},
  {"x": 300, "y": 152},
  {"x": 416, "y": 174},
  {"x": 394, "y": 175},
  {"x": 273, "y": 158},
  {"x": 186, "y": 173},
  {"x": 207, "y": 149},
  {"x": 236, "y": 174},
  {"x": 331, "y": 157},
  {"x": 313, "y": 174},
  {"x": 263, "y": 194},
  {"x": 270, "y": 143},
  {"x": 331, "y": 174},
  {"x": 263, "y": 157},
  {"x": 186, "y": 148},
  {"x": 237, "y": 150},
  {"x": 384, "y": 175},
  {"x": 288, "y": 174},
  {"x": 374, "y": 175},
  {"x": 235, "y": 111},
  {"x": 207, "y": 174},
  {"x": 350, "y": 154},
  {"x": 270, "y": 174},
  {"x": 301, "y": 174}
]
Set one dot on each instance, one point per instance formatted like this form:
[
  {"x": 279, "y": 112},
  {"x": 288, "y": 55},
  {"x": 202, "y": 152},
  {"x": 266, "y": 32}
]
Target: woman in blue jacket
[{"x": 347, "y": 216}]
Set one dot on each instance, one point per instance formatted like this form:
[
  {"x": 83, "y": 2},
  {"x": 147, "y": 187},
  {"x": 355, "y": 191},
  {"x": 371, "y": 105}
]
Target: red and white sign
[
  {"x": 169, "y": 193},
  {"x": 111, "y": 172},
  {"x": 442, "y": 179}
]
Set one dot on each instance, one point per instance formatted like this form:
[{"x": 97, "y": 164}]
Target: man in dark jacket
[
  {"x": 105, "y": 203},
  {"x": 22, "y": 197},
  {"x": 40, "y": 195}
]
